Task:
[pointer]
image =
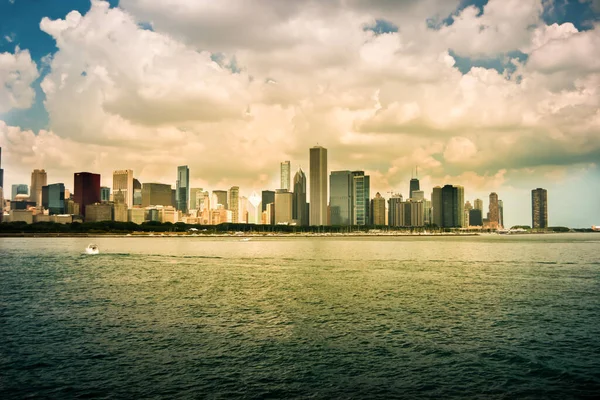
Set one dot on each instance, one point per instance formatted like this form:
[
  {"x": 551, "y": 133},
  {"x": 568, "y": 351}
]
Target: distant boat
[
  {"x": 92, "y": 249},
  {"x": 596, "y": 228},
  {"x": 246, "y": 239}
]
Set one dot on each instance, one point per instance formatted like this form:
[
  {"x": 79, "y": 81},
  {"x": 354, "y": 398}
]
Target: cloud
[
  {"x": 503, "y": 26},
  {"x": 17, "y": 73},
  {"x": 567, "y": 50}
]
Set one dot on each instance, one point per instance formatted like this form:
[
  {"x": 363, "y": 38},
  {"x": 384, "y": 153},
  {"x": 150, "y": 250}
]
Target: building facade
[
  {"x": 39, "y": 178},
  {"x": 378, "y": 210},
  {"x": 494, "y": 212},
  {"x": 56, "y": 198},
  {"x": 361, "y": 195},
  {"x": 219, "y": 197},
  {"x": 452, "y": 207},
  {"x": 539, "y": 208},
  {"x": 182, "y": 189},
  {"x": 394, "y": 217},
  {"x": 104, "y": 194},
  {"x": 475, "y": 217},
  {"x": 285, "y": 175},
  {"x": 156, "y": 194},
  {"x": 196, "y": 197},
  {"x": 413, "y": 186},
  {"x": 19, "y": 189},
  {"x": 86, "y": 190},
  {"x": 283, "y": 207},
  {"x": 234, "y": 203},
  {"x": 318, "y": 186},
  {"x": 340, "y": 198},
  {"x": 98, "y": 212},
  {"x": 299, "y": 204},
  {"x": 120, "y": 206},
  {"x": 436, "y": 206},
  {"x": 123, "y": 181}
]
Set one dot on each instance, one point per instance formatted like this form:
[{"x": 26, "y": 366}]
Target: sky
[{"x": 497, "y": 96}]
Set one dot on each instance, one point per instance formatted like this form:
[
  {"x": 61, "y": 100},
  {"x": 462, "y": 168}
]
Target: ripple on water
[{"x": 300, "y": 318}]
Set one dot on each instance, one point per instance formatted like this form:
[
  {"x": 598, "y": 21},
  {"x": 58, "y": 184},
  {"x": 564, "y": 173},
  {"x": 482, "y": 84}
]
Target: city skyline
[
  {"x": 349, "y": 201},
  {"x": 384, "y": 87}
]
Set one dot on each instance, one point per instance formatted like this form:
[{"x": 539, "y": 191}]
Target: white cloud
[
  {"x": 17, "y": 73},
  {"x": 569, "y": 51},
  {"x": 503, "y": 26},
  {"x": 459, "y": 150}
]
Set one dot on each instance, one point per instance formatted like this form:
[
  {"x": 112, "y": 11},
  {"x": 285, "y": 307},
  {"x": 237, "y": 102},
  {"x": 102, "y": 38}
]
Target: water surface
[{"x": 404, "y": 317}]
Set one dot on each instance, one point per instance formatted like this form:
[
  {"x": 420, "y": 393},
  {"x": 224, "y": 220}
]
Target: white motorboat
[{"x": 92, "y": 249}]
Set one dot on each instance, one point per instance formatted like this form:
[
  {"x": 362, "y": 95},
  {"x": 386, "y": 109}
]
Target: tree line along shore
[{"x": 180, "y": 228}]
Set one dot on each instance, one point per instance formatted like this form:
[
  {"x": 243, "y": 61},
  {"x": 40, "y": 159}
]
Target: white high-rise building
[{"x": 254, "y": 209}]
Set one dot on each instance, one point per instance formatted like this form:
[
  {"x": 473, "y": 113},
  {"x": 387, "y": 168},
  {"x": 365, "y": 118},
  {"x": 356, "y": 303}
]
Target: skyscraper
[
  {"x": 452, "y": 206},
  {"x": 234, "y": 203},
  {"x": 123, "y": 181},
  {"x": 436, "y": 205},
  {"x": 501, "y": 212},
  {"x": 318, "y": 186},
  {"x": 300, "y": 207},
  {"x": 361, "y": 194},
  {"x": 283, "y": 206},
  {"x": 539, "y": 208},
  {"x": 182, "y": 193},
  {"x": 494, "y": 212},
  {"x": 378, "y": 210},
  {"x": 340, "y": 200},
  {"x": 38, "y": 179},
  {"x": 414, "y": 185},
  {"x": 394, "y": 217},
  {"x": 285, "y": 175},
  {"x": 86, "y": 190},
  {"x": 254, "y": 210}
]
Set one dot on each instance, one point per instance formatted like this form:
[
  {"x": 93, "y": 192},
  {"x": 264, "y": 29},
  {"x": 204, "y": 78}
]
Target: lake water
[{"x": 406, "y": 317}]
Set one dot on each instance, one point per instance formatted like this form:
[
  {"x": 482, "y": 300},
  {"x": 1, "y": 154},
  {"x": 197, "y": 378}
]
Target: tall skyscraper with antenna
[{"x": 414, "y": 184}]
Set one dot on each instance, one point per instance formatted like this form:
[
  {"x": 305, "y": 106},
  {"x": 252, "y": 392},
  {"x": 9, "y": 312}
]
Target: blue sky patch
[{"x": 381, "y": 26}]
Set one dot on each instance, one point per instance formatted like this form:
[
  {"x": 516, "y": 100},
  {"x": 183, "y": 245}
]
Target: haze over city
[{"x": 496, "y": 96}]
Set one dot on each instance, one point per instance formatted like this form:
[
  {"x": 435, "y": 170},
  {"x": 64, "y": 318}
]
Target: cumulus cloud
[
  {"x": 568, "y": 51},
  {"x": 17, "y": 73},
  {"x": 502, "y": 26}
]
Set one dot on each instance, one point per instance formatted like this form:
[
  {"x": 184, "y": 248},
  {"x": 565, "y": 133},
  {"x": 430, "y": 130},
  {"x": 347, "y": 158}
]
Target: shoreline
[{"x": 262, "y": 235}]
